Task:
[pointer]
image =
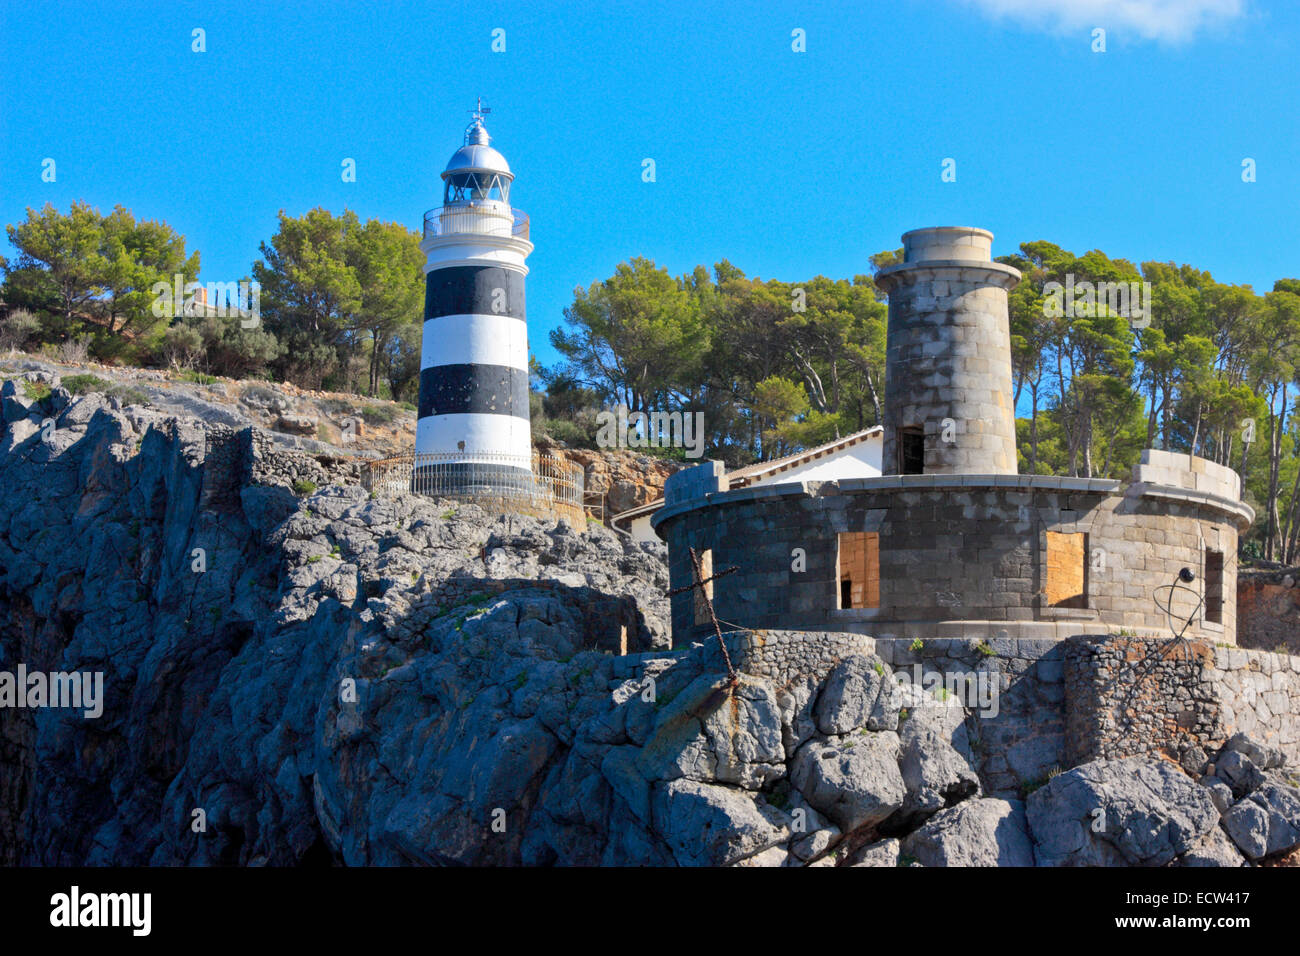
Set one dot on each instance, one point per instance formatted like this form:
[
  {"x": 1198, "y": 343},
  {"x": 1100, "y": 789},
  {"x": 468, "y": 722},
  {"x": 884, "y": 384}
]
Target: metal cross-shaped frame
[{"x": 697, "y": 584}]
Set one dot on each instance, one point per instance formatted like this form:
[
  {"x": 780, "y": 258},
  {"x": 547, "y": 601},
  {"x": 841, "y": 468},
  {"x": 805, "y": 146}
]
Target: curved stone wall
[{"x": 958, "y": 556}]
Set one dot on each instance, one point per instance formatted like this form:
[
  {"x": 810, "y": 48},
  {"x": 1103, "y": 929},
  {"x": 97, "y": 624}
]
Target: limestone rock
[
  {"x": 708, "y": 825},
  {"x": 854, "y": 780},
  {"x": 935, "y": 772},
  {"x": 1267, "y": 822},
  {"x": 1239, "y": 772},
  {"x": 1137, "y": 812},
  {"x": 982, "y": 832},
  {"x": 1260, "y": 754},
  {"x": 1215, "y": 849},
  {"x": 860, "y": 692},
  {"x": 296, "y": 424},
  {"x": 879, "y": 854}
]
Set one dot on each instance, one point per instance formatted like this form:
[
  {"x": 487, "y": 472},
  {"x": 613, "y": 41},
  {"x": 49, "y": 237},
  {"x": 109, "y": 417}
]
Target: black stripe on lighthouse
[
  {"x": 470, "y": 389},
  {"x": 474, "y": 290}
]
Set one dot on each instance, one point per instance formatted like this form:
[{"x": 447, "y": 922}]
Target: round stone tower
[
  {"x": 474, "y": 357},
  {"x": 948, "y": 396}
]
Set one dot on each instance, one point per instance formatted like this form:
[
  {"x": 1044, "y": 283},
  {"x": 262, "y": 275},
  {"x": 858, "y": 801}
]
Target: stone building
[{"x": 950, "y": 541}]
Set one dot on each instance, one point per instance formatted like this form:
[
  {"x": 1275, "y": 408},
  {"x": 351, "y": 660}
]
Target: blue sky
[{"x": 788, "y": 164}]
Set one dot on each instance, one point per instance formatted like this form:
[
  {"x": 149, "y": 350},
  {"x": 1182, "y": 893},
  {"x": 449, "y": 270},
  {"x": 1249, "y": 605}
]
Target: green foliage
[
  {"x": 198, "y": 378},
  {"x": 127, "y": 394},
  {"x": 302, "y": 487},
  {"x": 378, "y": 414},
  {"x": 343, "y": 298},
  {"x": 916, "y": 646},
  {"x": 84, "y": 273},
  {"x": 81, "y": 384},
  {"x": 36, "y": 391},
  {"x": 985, "y": 648}
]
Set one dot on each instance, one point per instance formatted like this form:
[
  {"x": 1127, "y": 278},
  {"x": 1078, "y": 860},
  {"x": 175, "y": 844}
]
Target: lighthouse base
[{"x": 503, "y": 484}]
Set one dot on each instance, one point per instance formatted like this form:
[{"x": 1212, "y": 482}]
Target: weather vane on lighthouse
[{"x": 480, "y": 110}]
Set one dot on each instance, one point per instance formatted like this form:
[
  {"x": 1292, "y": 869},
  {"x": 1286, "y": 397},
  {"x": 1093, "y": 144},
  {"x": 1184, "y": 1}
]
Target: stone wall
[
  {"x": 1017, "y": 743},
  {"x": 960, "y": 556},
  {"x": 1174, "y": 470},
  {"x": 1129, "y": 696},
  {"x": 1268, "y": 610},
  {"x": 269, "y": 465}
]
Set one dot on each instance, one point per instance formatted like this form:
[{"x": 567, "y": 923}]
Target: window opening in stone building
[
  {"x": 1213, "y": 586},
  {"x": 859, "y": 569},
  {"x": 1067, "y": 569},
  {"x": 911, "y": 450},
  {"x": 706, "y": 593}
]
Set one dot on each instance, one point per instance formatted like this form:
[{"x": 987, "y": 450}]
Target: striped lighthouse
[{"x": 473, "y": 406}]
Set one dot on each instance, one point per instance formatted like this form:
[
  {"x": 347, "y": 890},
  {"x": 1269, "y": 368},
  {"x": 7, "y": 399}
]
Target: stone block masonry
[
  {"x": 959, "y": 555},
  {"x": 948, "y": 407},
  {"x": 1128, "y": 696},
  {"x": 1268, "y": 610}
]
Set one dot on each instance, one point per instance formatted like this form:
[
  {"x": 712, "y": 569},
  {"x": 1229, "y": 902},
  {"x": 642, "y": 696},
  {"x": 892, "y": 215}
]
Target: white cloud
[{"x": 1167, "y": 21}]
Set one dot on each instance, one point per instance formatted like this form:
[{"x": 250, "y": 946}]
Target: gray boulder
[
  {"x": 1239, "y": 772},
  {"x": 708, "y": 825},
  {"x": 1220, "y": 793},
  {"x": 935, "y": 772},
  {"x": 744, "y": 735},
  {"x": 984, "y": 832},
  {"x": 1137, "y": 811},
  {"x": 1260, "y": 754},
  {"x": 1267, "y": 822},
  {"x": 859, "y": 692},
  {"x": 854, "y": 780},
  {"x": 883, "y": 853},
  {"x": 1215, "y": 849},
  {"x": 296, "y": 424}
]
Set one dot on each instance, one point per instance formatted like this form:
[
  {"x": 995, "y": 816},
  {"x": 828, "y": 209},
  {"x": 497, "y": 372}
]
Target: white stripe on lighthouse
[
  {"x": 474, "y": 340},
  {"x": 499, "y": 434}
]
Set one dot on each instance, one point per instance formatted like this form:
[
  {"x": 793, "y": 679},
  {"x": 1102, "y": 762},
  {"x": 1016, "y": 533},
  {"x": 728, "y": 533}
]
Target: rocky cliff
[
  {"x": 341, "y": 679},
  {"x": 334, "y": 424}
]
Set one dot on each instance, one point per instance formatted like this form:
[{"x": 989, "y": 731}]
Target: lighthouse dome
[{"x": 476, "y": 155}]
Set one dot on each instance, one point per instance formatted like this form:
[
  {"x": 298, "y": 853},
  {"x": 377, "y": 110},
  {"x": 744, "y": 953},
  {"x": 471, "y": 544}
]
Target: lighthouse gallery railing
[
  {"x": 540, "y": 482},
  {"x": 486, "y": 218}
]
